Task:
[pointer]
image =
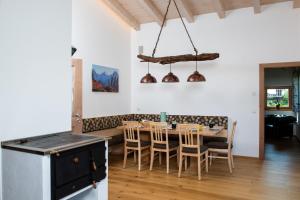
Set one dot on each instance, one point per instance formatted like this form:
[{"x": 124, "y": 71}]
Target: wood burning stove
[{"x": 56, "y": 166}]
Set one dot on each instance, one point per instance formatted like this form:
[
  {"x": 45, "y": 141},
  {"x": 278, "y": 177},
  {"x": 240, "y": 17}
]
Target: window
[{"x": 279, "y": 98}]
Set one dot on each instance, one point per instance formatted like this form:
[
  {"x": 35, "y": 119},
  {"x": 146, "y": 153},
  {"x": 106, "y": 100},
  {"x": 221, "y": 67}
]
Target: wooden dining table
[{"x": 216, "y": 131}]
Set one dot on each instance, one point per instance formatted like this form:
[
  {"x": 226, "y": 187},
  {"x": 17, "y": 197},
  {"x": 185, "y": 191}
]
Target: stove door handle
[
  {"x": 94, "y": 166},
  {"x": 94, "y": 185},
  {"x": 76, "y": 160}
]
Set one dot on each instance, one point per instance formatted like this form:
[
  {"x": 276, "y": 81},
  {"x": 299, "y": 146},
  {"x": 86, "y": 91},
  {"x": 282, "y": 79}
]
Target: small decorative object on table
[
  {"x": 200, "y": 127},
  {"x": 211, "y": 124},
  {"x": 174, "y": 124},
  {"x": 163, "y": 116}
]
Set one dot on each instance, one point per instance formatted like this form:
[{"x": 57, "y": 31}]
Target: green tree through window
[{"x": 278, "y": 98}]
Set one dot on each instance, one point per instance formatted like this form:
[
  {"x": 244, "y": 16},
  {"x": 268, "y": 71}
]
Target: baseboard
[{"x": 247, "y": 157}]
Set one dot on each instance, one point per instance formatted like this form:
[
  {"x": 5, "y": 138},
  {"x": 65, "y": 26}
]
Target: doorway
[
  {"x": 77, "y": 96},
  {"x": 263, "y": 99}
]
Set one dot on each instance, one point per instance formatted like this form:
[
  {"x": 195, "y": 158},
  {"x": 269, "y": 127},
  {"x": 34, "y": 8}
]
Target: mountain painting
[{"x": 105, "y": 79}]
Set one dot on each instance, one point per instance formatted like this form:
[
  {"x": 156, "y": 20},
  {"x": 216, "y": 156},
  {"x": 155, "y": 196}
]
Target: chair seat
[
  {"x": 194, "y": 150},
  {"x": 172, "y": 144},
  {"x": 214, "y": 139},
  {"x": 218, "y": 145},
  {"x": 135, "y": 144}
]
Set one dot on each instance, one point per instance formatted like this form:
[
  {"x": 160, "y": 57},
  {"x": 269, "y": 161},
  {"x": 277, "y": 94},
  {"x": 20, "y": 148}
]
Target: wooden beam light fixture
[{"x": 196, "y": 76}]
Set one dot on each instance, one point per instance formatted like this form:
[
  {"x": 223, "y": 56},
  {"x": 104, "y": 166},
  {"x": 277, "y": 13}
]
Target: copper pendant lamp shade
[
  {"x": 170, "y": 78},
  {"x": 196, "y": 77},
  {"x": 148, "y": 78}
]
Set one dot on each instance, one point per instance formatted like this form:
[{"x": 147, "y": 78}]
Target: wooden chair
[
  {"x": 133, "y": 143},
  {"x": 160, "y": 143},
  {"x": 190, "y": 146},
  {"x": 223, "y": 148}
]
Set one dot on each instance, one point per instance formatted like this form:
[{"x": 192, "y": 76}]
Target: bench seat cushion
[
  {"x": 135, "y": 144},
  {"x": 194, "y": 150},
  {"x": 172, "y": 144}
]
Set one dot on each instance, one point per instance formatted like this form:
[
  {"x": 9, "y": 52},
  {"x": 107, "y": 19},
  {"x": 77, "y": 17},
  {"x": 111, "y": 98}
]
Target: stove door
[{"x": 78, "y": 168}]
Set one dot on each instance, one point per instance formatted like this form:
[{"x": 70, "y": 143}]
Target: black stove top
[{"x": 51, "y": 143}]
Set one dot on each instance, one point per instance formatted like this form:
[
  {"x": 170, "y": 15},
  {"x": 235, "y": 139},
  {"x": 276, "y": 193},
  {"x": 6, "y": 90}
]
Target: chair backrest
[
  {"x": 231, "y": 136},
  {"x": 189, "y": 135},
  {"x": 159, "y": 132},
  {"x": 131, "y": 131}
]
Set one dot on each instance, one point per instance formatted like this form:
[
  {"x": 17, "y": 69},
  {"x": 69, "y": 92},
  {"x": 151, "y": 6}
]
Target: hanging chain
[
  {"x": 164, "y": 21},
  {"x": 161, "y": 28},
  {"x": 170, "y": 66},
  {"x": 187, "y": 32}
]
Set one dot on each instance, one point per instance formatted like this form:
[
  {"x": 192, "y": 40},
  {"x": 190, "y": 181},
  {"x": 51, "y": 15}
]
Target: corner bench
[{"x": 115, "y": 144}]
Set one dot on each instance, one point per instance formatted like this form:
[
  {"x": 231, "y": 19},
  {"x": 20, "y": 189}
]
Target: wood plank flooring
[{"x": 278, "y": 177}]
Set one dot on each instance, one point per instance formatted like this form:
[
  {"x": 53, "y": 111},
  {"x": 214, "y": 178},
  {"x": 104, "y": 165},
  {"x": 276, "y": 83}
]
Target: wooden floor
[{"x": 278, "y": 177}]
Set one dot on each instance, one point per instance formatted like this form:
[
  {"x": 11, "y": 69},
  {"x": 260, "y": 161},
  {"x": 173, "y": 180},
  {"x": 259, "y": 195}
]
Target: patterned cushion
[
  {"x": 214, "y": 139},
  {"x": 194, "y": 150},
  {"x": 135, "y": 144},
  {"x": 172, "y": 144},
  {"x": 218, "y": 145},
  {"x": 107, "y": 122}
]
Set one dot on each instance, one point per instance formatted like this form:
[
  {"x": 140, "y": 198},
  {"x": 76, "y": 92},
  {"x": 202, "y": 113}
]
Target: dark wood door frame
[{"x": 262, "y": 68}]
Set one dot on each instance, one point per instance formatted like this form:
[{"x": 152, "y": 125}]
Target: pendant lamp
[
  {"x": 170, "y": 77},
  {"x": 148, "y": 78},
  {"x": 196, "y": 76}
]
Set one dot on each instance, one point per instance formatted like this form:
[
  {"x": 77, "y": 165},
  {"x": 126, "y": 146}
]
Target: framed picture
[{"x": 105, "y": 79}]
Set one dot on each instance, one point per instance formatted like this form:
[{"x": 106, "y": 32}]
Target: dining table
[{"x": 216, "y": 131}]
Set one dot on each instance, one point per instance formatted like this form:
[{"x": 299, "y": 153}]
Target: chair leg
[
  {"x": 152, "y": 159},
  {"x": 178, "y": 157},
  {"x": 232, "y": 164},
  {"x": 134, "y": 155},
  {"x": 159, "y": 158},
  {"x": 180, "y": 165},
  {"x": 229, "y": 163},
  {"x": 185, "y": 162},
  {"x": 167, "y": 161},
  {"x": 210, "y": 159},
  {"x": 206, "y": 161},
  {"x": 125, "y": 157},
  {"x": 139, "y": 158},
  {"x": 199, "y": 167}
]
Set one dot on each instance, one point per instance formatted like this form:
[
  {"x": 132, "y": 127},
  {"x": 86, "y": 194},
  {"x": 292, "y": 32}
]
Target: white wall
[
  {"x": 279, "y": 77},
  {"x": 244, "y": 40},
  {"x": 102, "y": 38},
  {"x": 35, "y": 68}
]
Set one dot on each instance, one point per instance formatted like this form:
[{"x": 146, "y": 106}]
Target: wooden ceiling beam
[
  {"x": 219, "y": 7},
  {"x": 150, "y": 7},
  {"x": 296, "y": 3},
  {"x": 187, "y": 12},
  {"x": 122, "y": 13},
  {"x": 256, "y": 6}
]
